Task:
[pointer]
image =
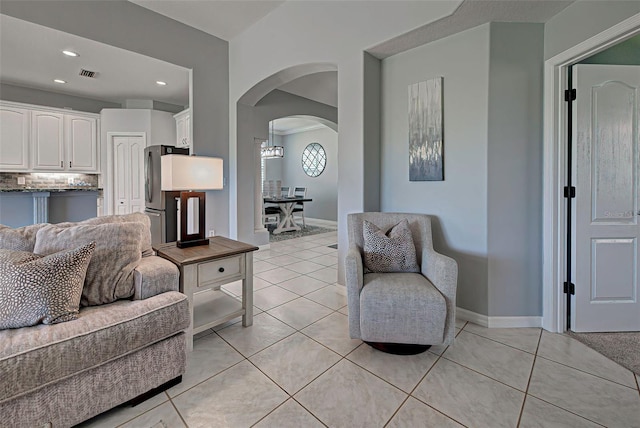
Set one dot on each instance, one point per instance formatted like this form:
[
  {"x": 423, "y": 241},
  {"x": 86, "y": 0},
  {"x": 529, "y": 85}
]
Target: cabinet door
[
  {"x": 81, "y": 143},
  {"x": 47, "y": 140},
  {"x": 180, "y": 132},
  {"x": 14, "y": 139},
  {"x": 187, "y": 130}
]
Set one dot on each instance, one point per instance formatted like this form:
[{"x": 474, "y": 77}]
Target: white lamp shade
[{"x": 182, "y": 172}]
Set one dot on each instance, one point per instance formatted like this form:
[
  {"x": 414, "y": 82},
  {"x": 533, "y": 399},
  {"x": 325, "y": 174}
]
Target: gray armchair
[{"x": 401, "y": 308}]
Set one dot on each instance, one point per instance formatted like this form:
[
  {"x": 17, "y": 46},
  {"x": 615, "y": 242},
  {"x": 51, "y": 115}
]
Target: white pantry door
[
  {"x": 607, "y": 212},
  {"x": 128, "y": 175}
]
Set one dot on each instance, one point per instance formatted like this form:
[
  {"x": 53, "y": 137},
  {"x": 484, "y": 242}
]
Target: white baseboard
[
  {"x": 497, "y": 322},
  {"x": 322, "y": 223},
  {"x": 467, "y": 315}
]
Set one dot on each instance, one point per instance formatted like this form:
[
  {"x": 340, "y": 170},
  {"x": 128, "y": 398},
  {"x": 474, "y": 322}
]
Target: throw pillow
[
  {"x": 110, "y": 273},
  {"x": 147, "y": 250},
  {"x": 20, "y": 239},
  {"x": 36, "y": 289},
  {"x": 391, "y": 252}
]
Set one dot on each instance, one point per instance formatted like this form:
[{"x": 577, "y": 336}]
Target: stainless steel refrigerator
[{"x": 161, "y": 207}]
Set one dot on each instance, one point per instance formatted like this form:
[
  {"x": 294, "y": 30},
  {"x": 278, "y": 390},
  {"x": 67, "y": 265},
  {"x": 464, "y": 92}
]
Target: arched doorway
[{"x": 255, "y": 109}]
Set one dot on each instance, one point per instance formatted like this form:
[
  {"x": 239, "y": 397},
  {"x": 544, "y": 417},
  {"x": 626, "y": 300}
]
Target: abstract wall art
[{"x": 426, "y": 162}]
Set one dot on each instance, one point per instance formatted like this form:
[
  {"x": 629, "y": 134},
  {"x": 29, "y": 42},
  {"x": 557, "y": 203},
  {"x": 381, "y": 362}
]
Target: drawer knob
[{"x": 221, "y": 270}]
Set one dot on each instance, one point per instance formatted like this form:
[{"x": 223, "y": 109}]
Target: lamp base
[{"x": 193, "y": 243}]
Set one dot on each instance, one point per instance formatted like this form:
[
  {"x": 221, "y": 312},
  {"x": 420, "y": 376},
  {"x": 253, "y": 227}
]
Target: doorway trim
[
  {"x": 555, "y": 166},
  {"x": 108, "y": 179}
]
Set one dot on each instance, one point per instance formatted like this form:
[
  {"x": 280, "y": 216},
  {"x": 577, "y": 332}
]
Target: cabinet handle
[
  {"x": 69, "y": 164},
  {"x": 61, "y": 164},
  {"x": 221, "y": 270}
]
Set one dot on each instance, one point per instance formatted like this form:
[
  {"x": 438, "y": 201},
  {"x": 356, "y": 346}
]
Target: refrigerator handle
[{"x": 148, "y": 177}]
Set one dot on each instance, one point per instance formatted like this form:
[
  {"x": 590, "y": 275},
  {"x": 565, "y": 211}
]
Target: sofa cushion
[
  {"x": 393, "y": 251},
  {"x": 20, "y": 239},
  {"x": 33, "y": 357},
  {"x": 110, "y": 273},
  {"x": 36, "y": 289},
  {"x": 145, "y": 239}
]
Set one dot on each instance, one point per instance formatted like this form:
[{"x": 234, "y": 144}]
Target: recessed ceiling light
[
  {"x": 161, "y": 83},
  {"x": 59, "y": 81},
  {"x": 70, "y": 53}
]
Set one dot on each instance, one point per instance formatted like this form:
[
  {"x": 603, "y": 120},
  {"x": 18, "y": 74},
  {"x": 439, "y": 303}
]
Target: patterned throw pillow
[
  {"x": 393, "y": 252},
  {"x": 36, "y": 289}
]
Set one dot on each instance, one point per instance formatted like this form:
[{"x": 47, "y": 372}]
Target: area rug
[
  {"x": 305, "y": 231},
  {"x": 623, "y": 347}
]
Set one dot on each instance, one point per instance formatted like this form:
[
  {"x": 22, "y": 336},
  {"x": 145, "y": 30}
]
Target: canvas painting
[{"x": 426, "y": 161}]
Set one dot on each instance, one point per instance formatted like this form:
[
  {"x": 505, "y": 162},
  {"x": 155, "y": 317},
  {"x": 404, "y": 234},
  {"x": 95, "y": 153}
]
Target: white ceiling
[
  {"x": 223, "y": 19},
  {"x": 31, "y": 56},
  {"x": 294, "y": 124}
]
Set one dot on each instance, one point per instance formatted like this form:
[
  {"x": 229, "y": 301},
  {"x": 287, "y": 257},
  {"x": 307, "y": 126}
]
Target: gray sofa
[{"x": 62, "y": 374}]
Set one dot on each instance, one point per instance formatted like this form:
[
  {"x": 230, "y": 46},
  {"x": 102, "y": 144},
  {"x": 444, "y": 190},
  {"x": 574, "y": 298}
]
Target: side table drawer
[{"x": 220, "y": 271}]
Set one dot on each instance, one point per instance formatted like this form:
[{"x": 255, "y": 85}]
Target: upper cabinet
[
  {"x": 51, "y": 139},
  {"x": 14, "y": 138},
  {"x": 47, "y": 144},
  {"x": 81, "y": 143},
  {"x": 183, "y": 128}
]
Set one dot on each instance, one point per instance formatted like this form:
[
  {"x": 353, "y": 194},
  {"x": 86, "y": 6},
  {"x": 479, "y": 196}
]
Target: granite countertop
[{"x": 53, "y": 190}]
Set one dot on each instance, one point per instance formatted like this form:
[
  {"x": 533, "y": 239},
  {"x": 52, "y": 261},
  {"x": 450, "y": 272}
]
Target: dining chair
[
  {"x": 284, "y": 191},
  {"x": 299, "y": 207}
]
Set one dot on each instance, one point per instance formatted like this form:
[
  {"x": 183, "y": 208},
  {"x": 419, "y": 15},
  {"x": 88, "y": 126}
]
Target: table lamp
[{"x": 187, "y": 174}]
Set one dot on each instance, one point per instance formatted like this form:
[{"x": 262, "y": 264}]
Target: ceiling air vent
[{"x": 87, "y": 73}]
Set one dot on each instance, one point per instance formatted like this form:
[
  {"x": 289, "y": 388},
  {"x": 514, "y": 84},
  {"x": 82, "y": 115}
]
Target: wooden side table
[{"x": 203, "y": 270}]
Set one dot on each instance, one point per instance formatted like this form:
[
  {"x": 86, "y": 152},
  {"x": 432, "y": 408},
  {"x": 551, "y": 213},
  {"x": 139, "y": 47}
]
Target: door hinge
[
  {"x": 570, "y": 95},
  {"x": 569, "y": 288},
  {"x": 569, "y": 192}
]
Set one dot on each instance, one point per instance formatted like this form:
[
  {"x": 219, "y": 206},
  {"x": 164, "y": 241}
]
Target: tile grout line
[
  {"x": 527, "y": 394},
  {"x": 178, "y": 412},
  {"x": 590, "y": 374},
  {"x": 526, "y": 391}
]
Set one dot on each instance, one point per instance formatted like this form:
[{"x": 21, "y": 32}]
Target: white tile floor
[{"x": 298, "y": 367}]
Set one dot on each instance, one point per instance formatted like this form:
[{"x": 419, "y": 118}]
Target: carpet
[
  {"x": 622, "y": 347},
  {"x": 305, "y": 231}
]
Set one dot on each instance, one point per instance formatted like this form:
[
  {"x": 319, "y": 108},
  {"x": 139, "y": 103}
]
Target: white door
[
  {"x": 81, "y": 143},
  {"x": 607, "y": 210},
  {"x": 14, "y": 138},
  {"x": 128, "y": 175},
  {"x": 47, "y": 140}
]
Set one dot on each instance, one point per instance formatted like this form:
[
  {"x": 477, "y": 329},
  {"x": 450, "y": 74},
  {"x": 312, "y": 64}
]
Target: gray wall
[
  {"x": 21, "y": 94},
  {"x": 129, "y": 26},
  {"x": 253, "y": 122},
  {"x": 322, "y": 189},
  {"x": 582, "y": 20},
  {"x": 460, "y": 202},
  {"x": 371, "y": 103},
  {"x": 514, "y": 182}
]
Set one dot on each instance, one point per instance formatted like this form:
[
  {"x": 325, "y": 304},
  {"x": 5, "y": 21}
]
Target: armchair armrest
[
  {"x": 442, "y": 271},
  {"x": 354, "y": 276},
  {"x": 155, "y": 275}
]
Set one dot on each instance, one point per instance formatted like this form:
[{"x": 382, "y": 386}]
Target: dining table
[{"x": 286, "y": 204}]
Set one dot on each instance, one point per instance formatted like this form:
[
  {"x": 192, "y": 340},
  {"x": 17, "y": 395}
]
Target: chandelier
[{"x": 272, "y": 151}]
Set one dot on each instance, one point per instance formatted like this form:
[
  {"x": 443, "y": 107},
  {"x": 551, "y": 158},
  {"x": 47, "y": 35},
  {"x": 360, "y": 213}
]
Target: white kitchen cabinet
[
  {"x": 47, "y": 139},
  {"x": 14, "y": 139},
  {"x": 47, "y": 143},
  {"x": 81, "y": 143},
  {"x": 183, "y": 128}
]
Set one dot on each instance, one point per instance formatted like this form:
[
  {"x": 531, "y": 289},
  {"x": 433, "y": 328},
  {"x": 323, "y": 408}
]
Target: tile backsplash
[{"x": 47, "y": 180}]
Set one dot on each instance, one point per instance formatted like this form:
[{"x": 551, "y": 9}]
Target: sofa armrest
[
  {"x": 155, "y": 275},
  {"x": 354, "y": 276}
]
